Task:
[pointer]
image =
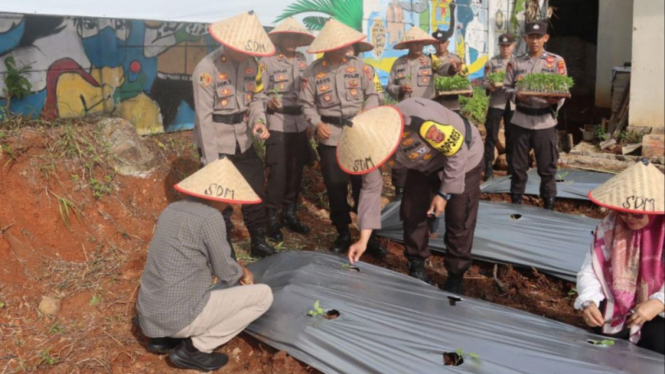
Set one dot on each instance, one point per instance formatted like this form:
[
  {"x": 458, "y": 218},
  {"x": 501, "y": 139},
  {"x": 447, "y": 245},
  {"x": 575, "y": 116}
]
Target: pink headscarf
[{"x": 629, "y": 265}]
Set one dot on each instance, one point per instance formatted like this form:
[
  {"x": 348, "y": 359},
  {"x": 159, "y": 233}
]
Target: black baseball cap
[
  {"x": 539, "y": 28},
  {"x": 441, "y": 36},
  {"x": 506, "y": 38}
]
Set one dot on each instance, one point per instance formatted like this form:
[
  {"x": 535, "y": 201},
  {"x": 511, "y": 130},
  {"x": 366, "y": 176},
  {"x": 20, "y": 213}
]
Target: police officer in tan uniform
[
  {"x": 412, "y": 76},
  {"x": 534, "y": 119},
  {"x": 335, "y": 89},
  {"x": 229, "y": 101},
  {"x": 288, "y": 141},
  {"x": 501, "y": 105},
  {"x": 443, "y": 59},
  {"x": 443, "y": 153}
]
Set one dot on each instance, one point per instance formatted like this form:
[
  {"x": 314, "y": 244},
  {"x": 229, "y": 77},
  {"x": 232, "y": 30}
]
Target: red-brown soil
[{"x": 58, "y": 240}]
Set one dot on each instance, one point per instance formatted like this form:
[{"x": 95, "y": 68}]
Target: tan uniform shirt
[
  {"x": 282, "y": 77},
  {"x": 337, "y": 91},
  {"x": 498, "y": 98},
  {"x": 443, "y": 64},
  {"x": 222, "y": 86},
  {"x": 518, "y": 68},
  {"x": 417, "y": 73},
  {"x": 414, "y": 153}
]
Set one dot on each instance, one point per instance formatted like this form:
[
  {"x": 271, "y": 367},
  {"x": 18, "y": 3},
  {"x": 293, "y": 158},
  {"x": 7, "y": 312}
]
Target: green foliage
[
  {"x": 16, "y": 85},
  {"x": 348, "y": 12},
  {"x": 454, "y": 83},
  {"x": 630, "y": 137},
  {"x": 46, "y": 358},
  {"x": 56, "y": 328},
  {"x": 2, "y": 305},
  {"x": 497, "y": 78},
  {"x": 65, "y": 207},
  {"x": 475, "y": 108},
  {"x": 317, "y": 310},
  {"x": 95, "y": 300},
  {"x": 543, "y": 82},
  {"x": 604, "y": 342},
  {"x": 101, "y": 188},
  {"x": 600, "y": 134}
]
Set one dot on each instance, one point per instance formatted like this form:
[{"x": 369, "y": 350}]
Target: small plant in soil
[
  {"x": 318, "y": 311},
  {"x": 497, "y": 78},
  {"x": 95, "y": 300},
  {"x": 2, "y": 305},
  {"x": 603, "y": 343},
  {"x": 454, "y": 83},
  {"x": 457, "y": 358},
  {"x": 560, "y": 176},
  {"x": 16, "y": 85},
  {"x": 348, "y": 266},
  {"x": 46, "y": 358},
  {"x": 542, "y": 82}
]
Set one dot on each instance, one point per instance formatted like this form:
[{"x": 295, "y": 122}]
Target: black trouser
[
  {"x": 337, "y": 181},
  {"x": 285, "y": 160},
  {"x": 493, "y": 124},
  {"x": 543, "y": 142},
  {"x": 652, "y": 333},
  {"x": 461, "y": 215},
  {"x": 398, "y": 177},
  {"x": 251, "y": 168}
]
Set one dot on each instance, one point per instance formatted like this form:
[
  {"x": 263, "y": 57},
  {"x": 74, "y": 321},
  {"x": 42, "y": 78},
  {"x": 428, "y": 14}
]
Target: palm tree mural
[{"x": 349, "y": 12}]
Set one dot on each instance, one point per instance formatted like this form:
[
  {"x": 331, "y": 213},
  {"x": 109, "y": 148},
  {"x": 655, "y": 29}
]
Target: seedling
[
  {"x": 572, "y": 293},
  {"x": 350, "y": 267},
  {"x": 65, "y": 206},
  {"x": 317, "y": 310},
  {"x": 2, "y": 305},
  {"x": 496, "y": 78},
  {"x": 46, "y": 358},
  {"x": 457, "y": 358},
  {"x": 96, "y": 300},
  {"x": 455, "y": 83},
  {"x": 56, "y": 328},
  {"x": 560, "y": 176},
  {"x": 603, "y": 343},
  {"x": 542, "y": 82}
]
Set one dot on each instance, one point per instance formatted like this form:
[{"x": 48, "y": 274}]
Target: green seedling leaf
[
  {"x": 460, "y": 351},
  {"x": 474, "y": 356},
  {"x": 607, "y": 342},
  {"x": 317, "y": 307},
  {"x": 2, "y": 305},
  {"x": 96, "y": 300}
]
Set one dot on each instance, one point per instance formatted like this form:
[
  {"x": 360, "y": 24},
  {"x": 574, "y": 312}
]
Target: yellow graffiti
[
  {"x": 441, "y": 7},
  {"x": 143, "y": 113},
  {"x": 77, "y": 97}
]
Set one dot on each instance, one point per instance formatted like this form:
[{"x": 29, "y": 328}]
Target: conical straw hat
[
  {"x": 292, "y": 28},
  {"x": 334, "y": 35},
  {"x": 221, "y": 181},
  {"x": 371, "y": 140},
  {"x": 243, "y": 33},
  {"x": 415, "y": 34},
  {"x": 364, "y": 46},
  {"x": 638, "y": 189}
]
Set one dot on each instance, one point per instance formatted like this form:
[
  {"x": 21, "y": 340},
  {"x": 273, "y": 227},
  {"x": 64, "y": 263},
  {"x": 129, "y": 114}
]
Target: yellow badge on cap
[{"x": 444, "y": 138}]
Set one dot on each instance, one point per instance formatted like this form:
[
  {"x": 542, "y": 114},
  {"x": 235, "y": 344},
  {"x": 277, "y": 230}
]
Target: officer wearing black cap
[
  {"x": 501, "y": 106},
  {"x": 534, "y": 120},
  {"x": 443, "y": 57}
]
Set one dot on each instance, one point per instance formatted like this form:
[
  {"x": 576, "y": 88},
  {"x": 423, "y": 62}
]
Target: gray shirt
[
  {"x": 282, "y": 76},
  {"x": 188, "y": 248},
  {"x": 498, "y": 98}
]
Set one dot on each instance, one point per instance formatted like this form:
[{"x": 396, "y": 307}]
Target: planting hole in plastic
[
  {"x": 332, "y": 314},
  {"x": 452, "y": 359},
  {"x": 515, "y": 216},
  {"x": 454, "y": 300},
  {"x": 560, "y": 180}
]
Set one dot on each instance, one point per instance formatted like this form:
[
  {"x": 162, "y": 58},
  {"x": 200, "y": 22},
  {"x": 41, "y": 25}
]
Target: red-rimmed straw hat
[
  {"x": 243, "y": 33},
  {"x": 335, "y": 35},
  {"x": 639, "y": 189},
  {"x": 370, "y": 141},
  {"x": 291, "y": 28},
  {"x": 415, "y": 34},
  {"x": 219, "y": 180}
]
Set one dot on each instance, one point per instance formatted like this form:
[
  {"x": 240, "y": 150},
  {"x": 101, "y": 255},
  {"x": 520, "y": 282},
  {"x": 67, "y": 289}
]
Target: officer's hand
[
  {"x": 438, "y": 206},
  {"x": 455, "y": 67},
  {"x": 274, "y": 103},
  {"x": 247, "y": 277},
  {"x": 645, "y": 312},
  {"x": 308, "y": 131},
  {"x": 356, "y": 250},
  {"x": 492, "y": 87},
  {"x": 406, "y": 88},
  {"x": 553, "y": 100},
  {"x": 323, "y": 131},
  {"x": 592, "y": 316},
  {"x": 260, "y": 131}
]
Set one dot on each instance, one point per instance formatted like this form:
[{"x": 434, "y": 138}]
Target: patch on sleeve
[
  {"x": 561, "y": 67},
  {"x": 368, "y": 72},
  {"x": 444, "y": 138},
  {"x": 304, "y": 82},
  {"x": 205, "y": 79}
]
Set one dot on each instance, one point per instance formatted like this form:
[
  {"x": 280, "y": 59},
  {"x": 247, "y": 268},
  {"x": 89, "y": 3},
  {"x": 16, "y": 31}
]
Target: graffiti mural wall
[{"x": 141, "y": 70}]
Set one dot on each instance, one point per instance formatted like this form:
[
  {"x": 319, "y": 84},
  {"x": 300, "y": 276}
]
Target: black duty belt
[
  {"x": 289, "y": 110},
  {"x": 536, "y": 112},
  {"x": 229, "y": 119},
  {"x": 339, "y": 121}
]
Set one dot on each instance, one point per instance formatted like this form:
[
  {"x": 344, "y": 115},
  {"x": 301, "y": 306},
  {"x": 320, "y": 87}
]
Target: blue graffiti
[
  {"x": 10, "y": 39},
  {"x": 184, "y": 119},
  {"x": 29, "y": 106}
]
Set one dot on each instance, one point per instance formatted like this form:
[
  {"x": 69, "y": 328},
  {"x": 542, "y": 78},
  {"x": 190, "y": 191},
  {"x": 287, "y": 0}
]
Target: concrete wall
[
  {"x": 647, "y": 93},
  {"x": 615, "y": 33}
]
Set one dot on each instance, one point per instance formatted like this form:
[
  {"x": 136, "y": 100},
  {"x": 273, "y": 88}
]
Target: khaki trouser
[{"x": 226, "y": 314}]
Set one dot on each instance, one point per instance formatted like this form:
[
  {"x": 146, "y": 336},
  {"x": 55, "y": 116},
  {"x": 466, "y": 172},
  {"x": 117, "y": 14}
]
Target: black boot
[
  {"x": 274, "y": 226},
  {"x": 399, "y": 193},
  {"x": 417, "y": 268},
  {"x": 374, "y": 247},
  {"x": 489, "y": 170},
  {"x": 186, "y": 356},
  {"x": 292, "y": 222},
  {"x": 162, "y": 345},
  {"x": 548, "y": 203},
  {"x": 259, "y": 247},
  {"x": 343, "y": 240},
  {"x": 454, "y": 284},
  {"x": 516, "y": 198}
]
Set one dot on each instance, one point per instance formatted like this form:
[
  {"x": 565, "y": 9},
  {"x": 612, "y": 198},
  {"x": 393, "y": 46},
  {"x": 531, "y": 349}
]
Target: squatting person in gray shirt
[{"x": 177, "y": 307}]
